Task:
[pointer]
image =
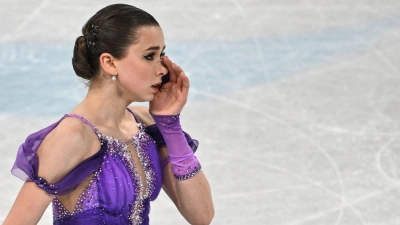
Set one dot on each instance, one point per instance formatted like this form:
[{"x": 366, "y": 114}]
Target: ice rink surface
[{"x": 295, "y": 103}]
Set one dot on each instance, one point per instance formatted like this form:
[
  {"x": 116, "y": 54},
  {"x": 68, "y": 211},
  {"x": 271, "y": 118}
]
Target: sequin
[
  {"x": 140, "y": 143},
  {"x": 115, "y": 193},
  {"x": 89, "y": 199},
  {"x": 118, "y": 151},
  {"x": 190, "y": 172}
]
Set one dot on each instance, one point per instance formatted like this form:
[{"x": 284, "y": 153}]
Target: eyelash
[{"x": 151, "y": 56}]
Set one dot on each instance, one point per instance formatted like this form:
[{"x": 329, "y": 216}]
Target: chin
[
  {"x": 146, "y": 99},
  {"x": 150, "y": 98}
]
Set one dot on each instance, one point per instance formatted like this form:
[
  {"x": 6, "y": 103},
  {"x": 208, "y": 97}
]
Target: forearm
[
  {"x": 29, "y": 206},
  {"x": 184, "y": 181},
  {"x": 192, "y": 197}
]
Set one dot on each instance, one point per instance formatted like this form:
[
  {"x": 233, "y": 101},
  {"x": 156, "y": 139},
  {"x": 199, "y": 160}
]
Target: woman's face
[{"x": 140, "y": 71}]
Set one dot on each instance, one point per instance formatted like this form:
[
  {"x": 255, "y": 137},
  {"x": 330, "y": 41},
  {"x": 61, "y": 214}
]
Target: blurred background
[{"x": 295, "y": 103}]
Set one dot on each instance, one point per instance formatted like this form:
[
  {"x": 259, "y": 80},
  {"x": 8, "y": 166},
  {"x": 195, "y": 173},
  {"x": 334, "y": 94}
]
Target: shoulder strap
[
  {"x": 136, "y": 118},
  {"x": 83, "y": 120},
  {"x": 141, "y": 126}
]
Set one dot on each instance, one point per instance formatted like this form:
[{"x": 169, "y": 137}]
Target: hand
[{"x": 172, "y": 95}]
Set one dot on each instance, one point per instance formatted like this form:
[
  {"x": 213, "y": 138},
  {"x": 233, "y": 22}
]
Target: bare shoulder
[
  {"x": 143, "y": 113},
  {"x": 64, "y": 148}
]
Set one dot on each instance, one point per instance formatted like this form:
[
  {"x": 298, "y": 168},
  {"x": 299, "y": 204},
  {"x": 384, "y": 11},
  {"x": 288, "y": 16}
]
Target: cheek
[{"x": 143, "y": 72}]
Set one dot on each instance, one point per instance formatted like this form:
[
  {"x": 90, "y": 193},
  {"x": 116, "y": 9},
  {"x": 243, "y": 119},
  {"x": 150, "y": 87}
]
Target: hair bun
[
  {"x": 80, "y": 61},
  {"x": 111, "y": 30}
]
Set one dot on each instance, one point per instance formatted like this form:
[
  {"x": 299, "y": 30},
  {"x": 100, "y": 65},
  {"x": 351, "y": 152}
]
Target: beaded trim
[
  {"x": 88, "y": 199},
  {"x": 140, "y": 142},
  {"x": 191, "y": 171},
  {"x": 42, "y": 183},
  {"x": 165, "y": 120},
  {"x": 169, "y": 121}
]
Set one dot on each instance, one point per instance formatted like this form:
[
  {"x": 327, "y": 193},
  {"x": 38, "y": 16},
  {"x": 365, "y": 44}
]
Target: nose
[{"x": 162, "y": 70}]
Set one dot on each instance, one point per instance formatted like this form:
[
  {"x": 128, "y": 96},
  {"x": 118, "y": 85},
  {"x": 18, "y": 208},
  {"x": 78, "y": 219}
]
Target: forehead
[{"x": 149, "y": 36}]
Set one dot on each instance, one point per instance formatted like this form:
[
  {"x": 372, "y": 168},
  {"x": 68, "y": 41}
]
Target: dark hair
[{"x": 111, "y": 30}]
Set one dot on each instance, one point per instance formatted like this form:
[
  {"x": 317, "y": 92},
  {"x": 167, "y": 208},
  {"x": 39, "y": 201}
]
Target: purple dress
[{"x": 115, "y": 194}]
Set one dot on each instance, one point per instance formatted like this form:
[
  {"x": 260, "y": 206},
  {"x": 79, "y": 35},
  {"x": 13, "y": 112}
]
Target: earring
[{"x": 114, "y": 78}]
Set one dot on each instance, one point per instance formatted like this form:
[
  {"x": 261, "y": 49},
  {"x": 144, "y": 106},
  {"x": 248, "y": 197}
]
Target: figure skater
[{"x": 104, "y": 162}]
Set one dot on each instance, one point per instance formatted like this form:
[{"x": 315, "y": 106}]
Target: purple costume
[{"x": 115, "y": 194}]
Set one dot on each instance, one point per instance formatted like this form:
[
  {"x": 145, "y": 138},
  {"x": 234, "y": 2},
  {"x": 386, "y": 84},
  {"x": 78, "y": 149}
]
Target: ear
[{"x": 107, "y": 63}]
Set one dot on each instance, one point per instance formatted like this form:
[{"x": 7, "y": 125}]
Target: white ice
[{"x": 296, "y": 104}]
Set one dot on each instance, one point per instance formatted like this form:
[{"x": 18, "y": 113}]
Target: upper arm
[
  {"x": 64, "y": 148},
  {"x": 60, "y": 152}
]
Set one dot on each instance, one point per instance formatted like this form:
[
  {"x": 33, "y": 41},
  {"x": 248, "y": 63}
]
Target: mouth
[{"x": 156, "y": 87}]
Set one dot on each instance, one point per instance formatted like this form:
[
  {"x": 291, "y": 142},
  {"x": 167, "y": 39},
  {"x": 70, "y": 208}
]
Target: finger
[
  {"x": 179, "y": 82},
  {"x": 177, "y": 69},
  {"x": 166, "y": 61},
  {"x": 182, "y": 84},
  {"x": 169, "y": 64},
  {"x": 185, "y": 80},
  {"x": 185, "y": 84},
  {"x": 182, "y": 89}
]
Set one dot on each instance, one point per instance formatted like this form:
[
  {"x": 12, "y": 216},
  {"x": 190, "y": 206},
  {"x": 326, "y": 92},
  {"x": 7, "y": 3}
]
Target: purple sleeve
[
  {"x": 155, "y": 133},
  {"x": 184, "y": 163},
  {"x": 26, "y": 165}
]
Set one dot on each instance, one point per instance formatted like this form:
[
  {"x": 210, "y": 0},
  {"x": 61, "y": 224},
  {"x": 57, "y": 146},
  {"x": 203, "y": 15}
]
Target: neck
[{"x": 103, "y": 105}]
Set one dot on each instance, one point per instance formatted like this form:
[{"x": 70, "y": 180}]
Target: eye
[
  {"x": 162, "y": 55},
  {"x": 149, "y": 56}
]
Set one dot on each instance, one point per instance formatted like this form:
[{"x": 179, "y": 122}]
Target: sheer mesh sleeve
[
  {"x": 184, "y": 163},
  {"x": 155, "y": 133}
]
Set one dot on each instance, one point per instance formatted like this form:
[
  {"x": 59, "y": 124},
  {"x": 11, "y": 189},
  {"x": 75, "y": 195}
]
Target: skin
[{"x": 105, "y": 106}]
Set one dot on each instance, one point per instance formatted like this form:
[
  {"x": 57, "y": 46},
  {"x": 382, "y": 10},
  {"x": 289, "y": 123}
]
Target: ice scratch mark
[
  {"x": 384, "y": 149},
  {"x": 301, "y": 133},
  {"x": 347, "y": 205}
]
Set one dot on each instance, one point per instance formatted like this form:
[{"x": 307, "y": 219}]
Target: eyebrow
[{"x": 155, "y": 48}]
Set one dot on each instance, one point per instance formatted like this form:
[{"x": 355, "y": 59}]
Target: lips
[{"x": 156, "y": 87}]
